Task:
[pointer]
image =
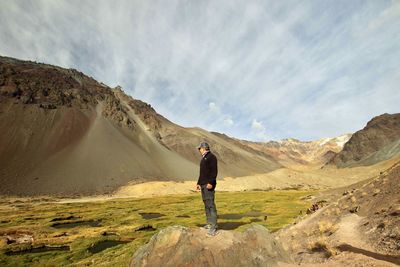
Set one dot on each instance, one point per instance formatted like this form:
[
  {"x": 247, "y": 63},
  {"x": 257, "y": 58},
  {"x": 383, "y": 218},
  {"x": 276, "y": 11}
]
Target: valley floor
[
  {"x": 290, "y": 178},
  {"x": 42, "y": 231}
]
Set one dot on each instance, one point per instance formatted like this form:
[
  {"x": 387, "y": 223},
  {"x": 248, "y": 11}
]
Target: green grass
[{"x": 122, "y": 217}]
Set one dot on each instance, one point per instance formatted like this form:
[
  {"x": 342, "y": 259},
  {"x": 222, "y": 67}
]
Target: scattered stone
[
  {"x": 395, "y": 211},
  {"x": 314, "y": 207},
  {"x": 381, "y": 225},
  {"x": 47, "y": 106},
  {"x": 355, "y": 209},
  {"x": 19, "y": 239},
  {"x": 376, "y": 192}
]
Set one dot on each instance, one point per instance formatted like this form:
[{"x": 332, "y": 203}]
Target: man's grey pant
[{"x": 209, "y": 205}]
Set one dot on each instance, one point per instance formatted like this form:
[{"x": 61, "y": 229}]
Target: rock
[
  {"x": 355, "y": 209},
  {"x": 181, "y": 246},
  {"x": 10, "y": 90},
  {"x": 114, "y": 111},
  {"x": 395, "y": 211},
  {"x": 27, "y": 98},
  {"x": 19, "y": 239},
  {"x": 47, "y": 106}
]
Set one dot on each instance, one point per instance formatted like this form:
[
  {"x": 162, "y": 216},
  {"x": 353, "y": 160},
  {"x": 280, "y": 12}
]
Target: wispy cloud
[
  {"x": 304, "y": 70},
  {"x": 259, "y": 131}
]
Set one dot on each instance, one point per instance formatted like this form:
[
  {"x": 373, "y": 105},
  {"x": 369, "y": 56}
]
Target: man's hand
[
  {"x": 198, "y": 188},
  {"x": 209, "y": 186}
]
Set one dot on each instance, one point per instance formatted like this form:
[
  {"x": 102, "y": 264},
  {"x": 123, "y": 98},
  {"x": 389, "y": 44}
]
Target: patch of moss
[{"x": 122, "y": 216}]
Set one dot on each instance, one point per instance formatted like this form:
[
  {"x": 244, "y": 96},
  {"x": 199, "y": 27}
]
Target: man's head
[{"x": 203, "y": 147}]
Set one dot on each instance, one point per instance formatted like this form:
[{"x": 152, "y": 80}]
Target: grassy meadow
[{"x": 107, "y": 233}]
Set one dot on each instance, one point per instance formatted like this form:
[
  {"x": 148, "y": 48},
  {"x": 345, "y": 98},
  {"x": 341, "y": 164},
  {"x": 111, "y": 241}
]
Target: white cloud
[
  {"x": 304, "y": 70},
  {"x": 213, "y": 107},
  {"x": 257, "y": 125},
  {"x": 228, "y": 122},
  {"x": 259, "y": 131}
]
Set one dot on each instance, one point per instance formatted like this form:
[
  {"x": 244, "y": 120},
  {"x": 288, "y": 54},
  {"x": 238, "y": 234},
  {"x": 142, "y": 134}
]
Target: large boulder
[{"x": 181, "y": 246}]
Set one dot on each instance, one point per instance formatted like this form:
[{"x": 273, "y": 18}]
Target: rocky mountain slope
[
  {"x": 63, "y": 132},
  {"x": 378, "y": 141},
  {"x": 234, "y": 159}
]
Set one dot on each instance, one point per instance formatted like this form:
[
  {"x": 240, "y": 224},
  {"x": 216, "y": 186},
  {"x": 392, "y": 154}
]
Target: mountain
[
  {"x": 63, "y": 132},
  {"x": 294, "y": 153},
  {"x": 233, "y": 159},
  {"x": 379, "y": 140}
]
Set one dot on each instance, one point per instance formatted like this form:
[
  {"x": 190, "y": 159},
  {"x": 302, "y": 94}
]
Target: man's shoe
[
  {"x": 212, "y": 232},
  {"x": 207, "y": 226}
]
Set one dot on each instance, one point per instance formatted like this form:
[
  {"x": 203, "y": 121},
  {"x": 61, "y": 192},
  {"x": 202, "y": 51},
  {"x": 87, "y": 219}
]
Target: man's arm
[
  {"x": 198, "y": 187},
  {"x": 212, "y": 170}
]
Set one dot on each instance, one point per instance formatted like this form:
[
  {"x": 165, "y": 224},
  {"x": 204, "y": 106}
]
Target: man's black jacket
[{"x": 208, "y": 170}]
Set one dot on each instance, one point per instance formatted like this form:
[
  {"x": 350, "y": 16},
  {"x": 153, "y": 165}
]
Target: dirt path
[{"x": 349, "y": 233}]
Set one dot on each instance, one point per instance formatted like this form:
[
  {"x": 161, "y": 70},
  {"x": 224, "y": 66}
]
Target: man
[{"x": 207, "y": 183}]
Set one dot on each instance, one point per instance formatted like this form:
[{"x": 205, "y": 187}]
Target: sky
[{"x": 254, "y": 70}]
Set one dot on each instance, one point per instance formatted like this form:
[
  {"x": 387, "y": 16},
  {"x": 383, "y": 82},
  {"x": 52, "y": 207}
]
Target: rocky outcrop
[
  {"x": 52, "y": 87},
  {"x": 144, "y": 111},
  {"x": 116, "y": 112},
  {"x": 31, "y": 83},
  {"x": 378, "y": 141},
  {"x": 181, "y": 246}
]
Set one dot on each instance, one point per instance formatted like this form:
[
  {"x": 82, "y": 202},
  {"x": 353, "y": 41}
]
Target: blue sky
[{"x": 256, "y": 70}]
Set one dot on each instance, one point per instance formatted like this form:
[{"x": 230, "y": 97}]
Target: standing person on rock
[{"x": 207, "y": 183}]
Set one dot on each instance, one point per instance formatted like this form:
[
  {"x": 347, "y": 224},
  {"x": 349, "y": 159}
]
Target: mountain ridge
[{"x": 65, "y": 133}]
